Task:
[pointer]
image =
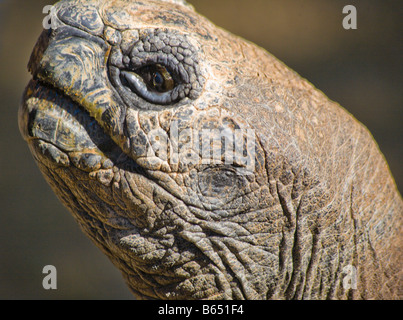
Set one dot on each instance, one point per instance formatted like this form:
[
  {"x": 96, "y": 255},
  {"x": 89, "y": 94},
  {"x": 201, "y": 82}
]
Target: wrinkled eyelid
[
  {"x": 136, "y": 84},
  {"x": 170, "y": 49}
]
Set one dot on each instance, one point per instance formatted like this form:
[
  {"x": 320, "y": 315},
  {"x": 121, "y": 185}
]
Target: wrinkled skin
[{"x": 319, "y": 198}]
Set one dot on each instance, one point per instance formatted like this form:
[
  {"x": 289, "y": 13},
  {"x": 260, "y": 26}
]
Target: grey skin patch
[{"x": 82, "y": 16}]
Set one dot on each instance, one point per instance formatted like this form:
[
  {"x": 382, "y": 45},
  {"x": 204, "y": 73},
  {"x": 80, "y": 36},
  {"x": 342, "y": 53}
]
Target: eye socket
[{"x": 153, "y": 82}]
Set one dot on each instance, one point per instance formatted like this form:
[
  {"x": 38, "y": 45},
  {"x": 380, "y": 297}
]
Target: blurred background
[{"x": 360, "y": 69}]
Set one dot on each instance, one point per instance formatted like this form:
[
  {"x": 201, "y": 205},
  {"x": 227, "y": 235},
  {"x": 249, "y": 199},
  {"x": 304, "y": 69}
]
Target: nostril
[{"x": 37, "y": 54}]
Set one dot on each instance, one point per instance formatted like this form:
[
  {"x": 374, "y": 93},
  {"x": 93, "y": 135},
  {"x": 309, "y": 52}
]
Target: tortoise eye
[
  {"x": 153, "y": 82},
  {"x": 157, "y": 77},
  {"x": 161, "y": 78}
]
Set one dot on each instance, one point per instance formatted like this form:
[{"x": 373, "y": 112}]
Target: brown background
[{"x": 361, "y": 69}]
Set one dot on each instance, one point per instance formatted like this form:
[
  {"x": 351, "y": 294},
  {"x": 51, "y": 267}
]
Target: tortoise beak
[{"x": 74, "y": 63}]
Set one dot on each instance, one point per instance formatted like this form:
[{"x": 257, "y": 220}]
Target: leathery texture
[{"x": 130, "y": 161}]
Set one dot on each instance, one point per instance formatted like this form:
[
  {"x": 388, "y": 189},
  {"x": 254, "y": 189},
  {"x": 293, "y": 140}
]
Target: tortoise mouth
[
  {"x": 59, "y": 128},
  {"x": 50, "y": 113},
  {"x": 44, "y": 109}
]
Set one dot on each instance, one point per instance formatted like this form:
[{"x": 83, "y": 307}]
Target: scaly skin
[{"x": 318, "y": 199}]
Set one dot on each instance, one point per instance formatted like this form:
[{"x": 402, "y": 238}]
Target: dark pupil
[
  {"x": 161, "y": 79},
  {"x": 158, "y": 79}
]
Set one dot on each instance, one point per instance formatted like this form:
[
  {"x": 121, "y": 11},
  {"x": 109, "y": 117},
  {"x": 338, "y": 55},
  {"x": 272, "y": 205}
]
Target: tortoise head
[
  {"x": 133, "y": 117},
  {"x": 142, "y": 115}
]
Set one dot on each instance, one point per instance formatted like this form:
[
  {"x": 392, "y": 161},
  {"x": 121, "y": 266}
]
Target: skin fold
[{"x": 298, "y": 198}]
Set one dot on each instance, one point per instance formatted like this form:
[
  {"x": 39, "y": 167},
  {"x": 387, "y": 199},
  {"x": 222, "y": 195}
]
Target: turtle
[{"x": 201, "y": 165}]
